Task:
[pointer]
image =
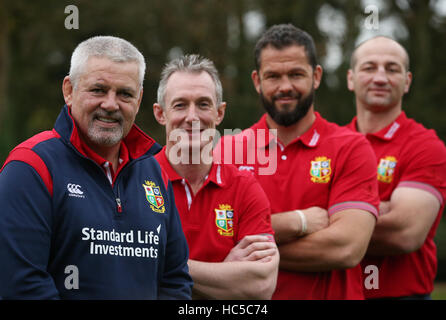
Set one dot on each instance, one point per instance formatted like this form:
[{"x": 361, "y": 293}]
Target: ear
[
  {"x": 220, "y": 113},
  {"x": 317, "y": 76},
  {"x": 256, "y": 80},
  {"x": 159, "y": 114},
  {"x": 350, "y": 83},
  {"x": 409, "y": 78},
  {"x": 67, "y": 90}
]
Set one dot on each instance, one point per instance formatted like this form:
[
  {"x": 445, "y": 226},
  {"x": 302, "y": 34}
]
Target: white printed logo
[
  {"x": 74, "y": 190},
  {"x": 246, "y": 168}
]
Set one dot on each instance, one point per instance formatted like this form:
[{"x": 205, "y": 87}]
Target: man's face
[
  {"x": 105, "y": 101},
  {"x": 286, "y": 83},
  {"x": 190, "y": 108},
  {"x": 379, "y": 77}
]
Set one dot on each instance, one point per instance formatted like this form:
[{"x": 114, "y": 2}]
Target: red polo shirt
[
  {"x": 229, "y": 206},
  {"x": 408, "y": 155},
  {"x": 329, "y": 167}
]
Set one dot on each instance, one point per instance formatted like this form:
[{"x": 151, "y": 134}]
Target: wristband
[{"x": 303, "y": 221}]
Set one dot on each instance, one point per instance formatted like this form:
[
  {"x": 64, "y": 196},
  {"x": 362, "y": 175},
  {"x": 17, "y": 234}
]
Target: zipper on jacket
[
  {"x": 118, "y": 205},
  {"x": 108, "y": 176},
  {"x": 118, "y": 202}
]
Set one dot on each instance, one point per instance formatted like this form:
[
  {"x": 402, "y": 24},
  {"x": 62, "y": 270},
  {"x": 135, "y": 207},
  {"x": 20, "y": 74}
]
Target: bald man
[{"x": 411, "y": 171}]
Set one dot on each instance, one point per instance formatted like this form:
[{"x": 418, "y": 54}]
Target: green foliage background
[{"x": 35, "y": 50}]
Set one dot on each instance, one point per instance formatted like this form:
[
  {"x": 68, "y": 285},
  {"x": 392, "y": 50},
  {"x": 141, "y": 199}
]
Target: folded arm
[
  {"x": 248, "y": 272},
  {"x": 404, "y": 222},
  {"x": 341, "y": 245},
  {"x": 288, "y": 225}
]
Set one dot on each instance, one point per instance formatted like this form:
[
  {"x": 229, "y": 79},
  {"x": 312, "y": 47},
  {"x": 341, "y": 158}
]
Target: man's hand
[
  {"x": 317, "y": 219},
  {"x": 248, "y": 272},
  {"x": 288, "y": 225},
  {"x": 253, "y": 248}
]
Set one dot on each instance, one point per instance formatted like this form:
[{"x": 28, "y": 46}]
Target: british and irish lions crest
[
  {"x": 154, "y": 196},
  {"x": 320, "y": 170},
  {"x": 386, "y": 169},
  {"x": 224, "y": 216}
]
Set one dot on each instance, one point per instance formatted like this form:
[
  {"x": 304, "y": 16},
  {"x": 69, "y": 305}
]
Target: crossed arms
[{"x": 249, "y": 271}]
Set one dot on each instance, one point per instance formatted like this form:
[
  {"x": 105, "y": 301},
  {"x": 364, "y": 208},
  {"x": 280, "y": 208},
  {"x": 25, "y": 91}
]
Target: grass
[{"x": 439, "y": 292}]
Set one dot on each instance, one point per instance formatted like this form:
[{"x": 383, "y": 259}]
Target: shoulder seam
[{"x": 31, "y": 158}]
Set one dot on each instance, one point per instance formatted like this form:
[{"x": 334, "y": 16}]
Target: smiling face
[
  {"x": 286, "y": 83},
  {"x": 105, "y": 101},
  {"x": 379, "y": 77},
  {"x": 190, "y": 108}
]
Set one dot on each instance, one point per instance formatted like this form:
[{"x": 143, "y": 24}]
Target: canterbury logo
[{"x": 74, "y": 190}]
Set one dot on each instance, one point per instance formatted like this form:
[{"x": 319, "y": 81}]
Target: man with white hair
[{"x": 87, "y": 212}]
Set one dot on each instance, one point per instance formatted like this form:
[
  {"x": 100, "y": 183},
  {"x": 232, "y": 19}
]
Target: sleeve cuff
[{"x": 360, "y": 205}]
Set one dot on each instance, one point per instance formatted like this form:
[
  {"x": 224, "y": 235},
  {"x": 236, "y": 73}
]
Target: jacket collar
[{"x": 135, "y": 145}]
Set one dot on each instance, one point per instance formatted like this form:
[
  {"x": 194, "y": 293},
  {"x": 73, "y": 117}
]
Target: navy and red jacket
[{"x": 67, "y": 232}]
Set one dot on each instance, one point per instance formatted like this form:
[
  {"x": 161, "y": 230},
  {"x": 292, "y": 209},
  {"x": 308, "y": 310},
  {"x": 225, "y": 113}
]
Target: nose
[
  {"x": 285, "y": 85},
  {"x": 110, "y": 102},
  {"x": 380, "y": 77},
  {"x": 192, "y": 113}
]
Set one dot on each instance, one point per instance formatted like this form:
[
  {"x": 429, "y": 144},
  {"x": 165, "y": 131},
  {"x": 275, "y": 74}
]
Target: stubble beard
[{"x": 106, "y": 136}]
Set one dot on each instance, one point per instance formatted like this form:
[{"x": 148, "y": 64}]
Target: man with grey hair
[
  {"x": 87, "y": 212},
  {"x": 224, "y": 213}
]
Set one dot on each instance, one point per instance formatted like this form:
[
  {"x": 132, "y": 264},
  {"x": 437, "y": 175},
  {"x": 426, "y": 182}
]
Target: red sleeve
[
  {"x": 256, "y": 211},
  {"x": 425, "y": 167},
  {"x": 355, "y": 183}
]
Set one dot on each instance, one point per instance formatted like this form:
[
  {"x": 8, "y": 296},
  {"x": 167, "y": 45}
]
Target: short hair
[
  {"x": 191, "y": 63},
  {"x": 112, "y": 48},
  {"x": 353, "y": 59},
  {"x": 282, "y": 36}
]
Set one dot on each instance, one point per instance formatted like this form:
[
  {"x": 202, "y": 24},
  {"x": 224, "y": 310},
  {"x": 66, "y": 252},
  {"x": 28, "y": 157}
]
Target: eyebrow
[
  {"x": 387, "y": 63},
  {"x": 199, "y": 99},
  {"x": 296, "y": 69},
  {"x": 205, "y": 98},
  {"x": 99, "y": 85},
  {"x": 127, "y": 89},
  {"x": 120, "y": 89}
]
